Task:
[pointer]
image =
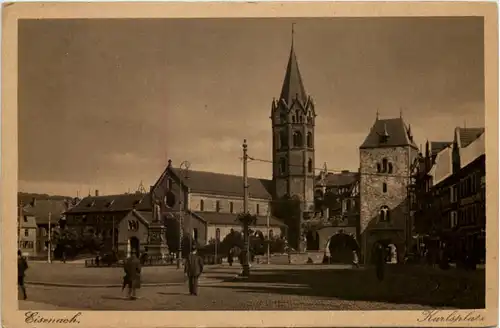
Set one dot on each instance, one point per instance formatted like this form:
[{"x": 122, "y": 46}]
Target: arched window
[
  {"x": 390, "y": 168},
  {"x": 297, "y": 139},
  {"x": 202, "y": 205},
  {"x": 231, "y": 207},
  {"x": 378, "y": 168},
  {"x": 294, "y": 120},
  {"x": 309, "y": 140},
  {"x": 217, "y": 206},
  {"x": 282, "y": 165},
  {"x": 384, "y": 187},
  {"x": 384, "y": 213},
  {"x": 283, "y": 139},
  {"x": 384, "y": 165},
  {"x": 310, "y": 165}
]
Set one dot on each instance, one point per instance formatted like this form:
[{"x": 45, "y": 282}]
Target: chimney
[
  {"x": 33, "y": 202},
  {"x": 97, "y": 192}
]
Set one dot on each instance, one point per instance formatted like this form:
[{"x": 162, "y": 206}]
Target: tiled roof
[
  {"x": 230, "y": 219},
  {"x": 113, "y": 203},
  {"x": 468, "y": 135},
  {"x": 398, "y": 134},
  {"x": 225, "y": 184},
  {"x": 42, "y": 208},
  {"x": 293, "y": 87},
  {"x": 341, "y": 179},
  {"x": 437, "y": 146}
]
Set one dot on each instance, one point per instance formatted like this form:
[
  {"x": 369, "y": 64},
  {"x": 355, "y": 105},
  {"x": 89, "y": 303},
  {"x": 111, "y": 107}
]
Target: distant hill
[{"x": 27, "y": 197}]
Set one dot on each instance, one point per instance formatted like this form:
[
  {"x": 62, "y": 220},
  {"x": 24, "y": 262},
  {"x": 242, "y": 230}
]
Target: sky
[{"x": 103, "y": 104}]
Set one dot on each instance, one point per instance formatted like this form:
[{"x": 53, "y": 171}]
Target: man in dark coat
[
  {"x": 193, "y": 269},
  {"x": 132, "y": 268},
  {"x": 22, "y": 266},
  {"x": 380, "y": 261}
]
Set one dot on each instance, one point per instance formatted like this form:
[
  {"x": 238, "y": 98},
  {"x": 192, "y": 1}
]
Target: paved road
[{"x": 272, "y": 288}]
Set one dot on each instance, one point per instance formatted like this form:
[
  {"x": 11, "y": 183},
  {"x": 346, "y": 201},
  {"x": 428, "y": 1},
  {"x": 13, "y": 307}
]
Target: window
[
  {"x": 297, "y": 139},
  {"x": 283, "y": 139},
  {"x": 26, "y": 233},
  {"x": 390, "y": 168},
  {"x": 453, "y": 219},
  {"x": 384, "y": 165},
  {"x": 231, "y": 207},
  {"x": 282, "y": 165},
  {"x": 257, "y": 208},
  {"x": 378, "y": 168},
  {"x": 217, "y": 206},
  {"x": 202, "y": 205},
  {"x": 169, "y": 184},
  {"x": 384, "y": 187},
  {"x": 25, "y": 218},
  {"x": 271, "y": 234},
  {"x": 310, "y": 165},
  {"x": 195, "y": 234},
  {"x": 384, "y": 213},
  {"x": 294, "y": 120},
  {"x": 309, "y": 140},
  {"x": 217, "y": 234}
]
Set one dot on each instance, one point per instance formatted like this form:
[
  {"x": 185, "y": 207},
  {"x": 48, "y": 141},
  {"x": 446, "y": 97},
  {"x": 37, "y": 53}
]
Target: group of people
[{"x": 193, "y": 268}]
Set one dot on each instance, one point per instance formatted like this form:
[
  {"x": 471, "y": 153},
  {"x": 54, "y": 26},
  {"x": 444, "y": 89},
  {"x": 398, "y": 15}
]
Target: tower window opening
[
  {"x": 282, "y": 165},
  {"x": 297, "y": 139},
  {"x": 309, "y": 140},
  {"x": 310, "y": 165},
  {"x": 384, "y": 165},
  {"x": 384, "y": 187},
  {"x": 384, "y": 213},
  {"x": 378, "y": 168},
  {"x": 390, "y": 168},
  {"x": 294, "y": 119},
  {"x": 284, "y": 139}
]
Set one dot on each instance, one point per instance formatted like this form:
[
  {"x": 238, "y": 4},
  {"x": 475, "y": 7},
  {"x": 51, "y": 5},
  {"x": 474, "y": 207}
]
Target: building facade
[
  {"x": 27, "y": 234},
  {"x": 386, "y": 160},
  {"x": 452, "y": 211}
]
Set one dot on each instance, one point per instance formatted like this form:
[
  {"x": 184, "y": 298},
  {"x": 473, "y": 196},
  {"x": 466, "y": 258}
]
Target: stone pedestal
[{"x": 157, "y": 243}]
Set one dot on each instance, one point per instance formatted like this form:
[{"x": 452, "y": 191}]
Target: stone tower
[
  {"x": 293, "y": 117},
  {"x": 386, "y": 158}
]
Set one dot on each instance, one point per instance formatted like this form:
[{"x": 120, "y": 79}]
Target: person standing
[
  {"x": 380, "y": 261},
  {"x": 230, "y": 257},
  {"x": 132, "y": 277},
  {"x": 22, "y": 266},
  {"x": 193, "y": 268}
]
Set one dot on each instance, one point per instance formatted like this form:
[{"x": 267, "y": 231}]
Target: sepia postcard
[{"x": 266, "y": 164}]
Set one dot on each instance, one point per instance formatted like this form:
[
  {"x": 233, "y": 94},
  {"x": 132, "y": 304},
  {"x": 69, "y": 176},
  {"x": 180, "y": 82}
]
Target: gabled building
[
  {"x": 208, "y": 203},
  {"x": 27, "y": 233}
]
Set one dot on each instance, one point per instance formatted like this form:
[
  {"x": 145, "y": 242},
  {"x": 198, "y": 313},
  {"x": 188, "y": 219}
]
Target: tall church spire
[{"x": 292, "y": 85}]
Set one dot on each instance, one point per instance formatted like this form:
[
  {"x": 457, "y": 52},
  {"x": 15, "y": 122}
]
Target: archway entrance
[
  {"x": 341, "y": 247},
  {"x": 312, "y": 240},
  {"x": 134, "y": 245},
  {"x": 390, "y": 250}
]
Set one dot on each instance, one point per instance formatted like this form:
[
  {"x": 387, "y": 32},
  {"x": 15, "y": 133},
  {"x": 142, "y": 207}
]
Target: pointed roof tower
[{"x": 293, "y": 87}]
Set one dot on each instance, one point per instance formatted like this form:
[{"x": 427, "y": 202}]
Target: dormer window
[
  {"x": 384, "y": 214},
  {"x": 109, "y": 204}
]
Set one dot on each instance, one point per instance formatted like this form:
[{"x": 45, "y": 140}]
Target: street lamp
[{"x": 184, "y": 169}]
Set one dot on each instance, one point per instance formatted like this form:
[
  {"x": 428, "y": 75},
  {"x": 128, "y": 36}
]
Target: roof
[
  {"x": 437, "y": 146},
  {"x": 341, "y": 179},
  {"x": 398, "y": 134},
  {"x": 225, "y": 184},
  {"x": 293, "y": 87},
  {"x": 230, "y": 219},
  {"x": 468, "y": 135},
  {"x": 145, "y": 215},
  {"x": 42, "y": 208},
  {"x": 113, "y": 203}
]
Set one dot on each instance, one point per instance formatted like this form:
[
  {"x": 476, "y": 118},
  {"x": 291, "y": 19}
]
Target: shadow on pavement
[{"x": 401, "y": 285}]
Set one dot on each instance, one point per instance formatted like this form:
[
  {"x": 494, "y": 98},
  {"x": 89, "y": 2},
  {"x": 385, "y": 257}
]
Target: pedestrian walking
[
  {"x": 380, "y": 261},
  {"x": 22, "y": 266},
  {"x": 132, "y": 279},
  {"x": 193, "y": 268},
  {"x": 230, "y": 257}
]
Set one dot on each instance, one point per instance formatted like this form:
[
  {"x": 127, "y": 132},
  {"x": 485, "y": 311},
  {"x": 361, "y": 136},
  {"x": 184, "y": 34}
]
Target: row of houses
[
  {"x": 448, "y": 195},
  {"x": 33, "y": 223}
]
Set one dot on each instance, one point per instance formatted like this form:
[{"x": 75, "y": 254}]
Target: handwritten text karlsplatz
[{"x": 451, "y": 317}]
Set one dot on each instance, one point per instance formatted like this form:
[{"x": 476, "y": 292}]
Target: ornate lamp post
[{"x": 184, "y": 169}]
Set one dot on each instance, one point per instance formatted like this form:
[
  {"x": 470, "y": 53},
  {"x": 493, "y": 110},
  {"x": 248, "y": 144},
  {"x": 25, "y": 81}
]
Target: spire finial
[
  {"x": 376, "y": 117},
  {"x": 400, "y": 112},
  {"x": 293, "y": 32}
]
